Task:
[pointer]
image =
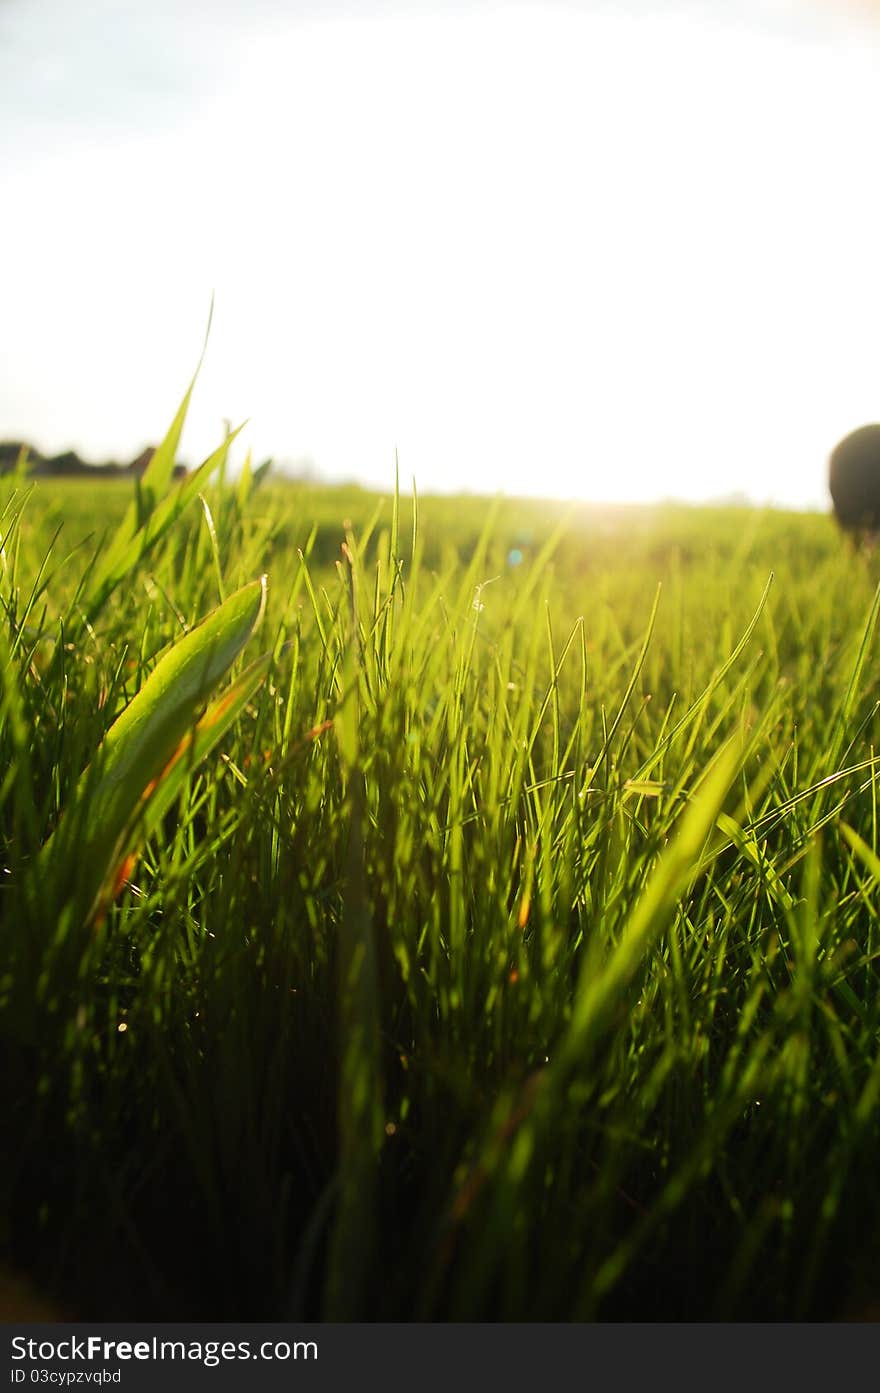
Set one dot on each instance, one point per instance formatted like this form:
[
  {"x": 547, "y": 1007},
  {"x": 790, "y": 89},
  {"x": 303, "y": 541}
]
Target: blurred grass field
[{"x": 510, "y": 954}]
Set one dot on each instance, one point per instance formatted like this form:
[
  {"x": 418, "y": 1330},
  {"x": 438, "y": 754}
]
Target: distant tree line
[{"x": 16, "y": 453}]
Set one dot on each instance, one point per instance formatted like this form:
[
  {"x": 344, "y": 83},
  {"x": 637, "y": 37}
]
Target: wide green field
[{"x": 503, "y": 945}]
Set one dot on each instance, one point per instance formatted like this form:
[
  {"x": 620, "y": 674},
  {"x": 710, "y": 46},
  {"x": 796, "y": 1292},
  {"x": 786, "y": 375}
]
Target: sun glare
[{"x": 534, "y": 249}]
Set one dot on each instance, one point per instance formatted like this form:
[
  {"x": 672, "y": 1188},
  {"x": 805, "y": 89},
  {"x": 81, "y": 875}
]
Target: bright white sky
[{"x": 604, "y": 250}]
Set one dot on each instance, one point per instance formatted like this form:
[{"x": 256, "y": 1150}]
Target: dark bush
[{"x": 854, "y": 479}]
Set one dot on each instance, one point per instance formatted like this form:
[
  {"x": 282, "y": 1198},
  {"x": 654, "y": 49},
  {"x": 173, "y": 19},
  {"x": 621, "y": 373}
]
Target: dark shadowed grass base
[{"x": 120, "y": 1226}]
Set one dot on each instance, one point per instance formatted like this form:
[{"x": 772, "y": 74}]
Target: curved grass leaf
[
  {"x": 138, "y": 749},
  {"x": 195, "y": 746}
]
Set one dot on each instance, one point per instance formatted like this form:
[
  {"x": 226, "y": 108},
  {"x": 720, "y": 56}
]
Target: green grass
[{"x": 503, "y": 946}]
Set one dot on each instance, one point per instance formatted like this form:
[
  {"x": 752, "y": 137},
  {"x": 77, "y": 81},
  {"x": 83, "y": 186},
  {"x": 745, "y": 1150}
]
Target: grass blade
[{"x": 79, "y": 857}]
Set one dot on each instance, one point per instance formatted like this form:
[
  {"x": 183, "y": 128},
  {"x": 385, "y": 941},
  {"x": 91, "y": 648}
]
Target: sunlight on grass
[{"x": 500, "y": 943}]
